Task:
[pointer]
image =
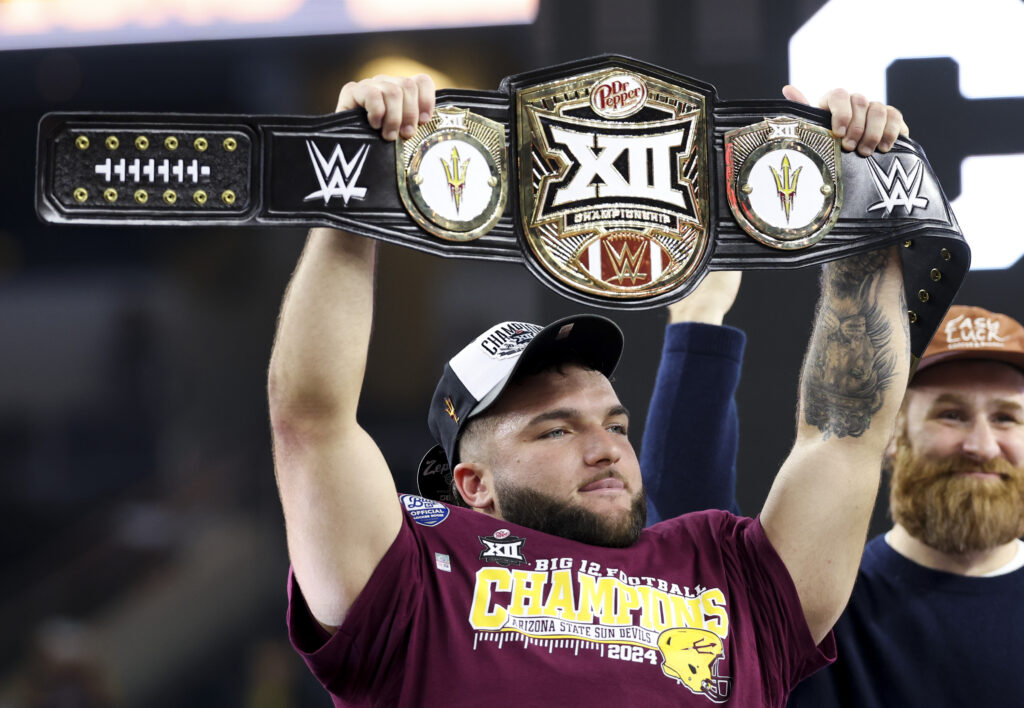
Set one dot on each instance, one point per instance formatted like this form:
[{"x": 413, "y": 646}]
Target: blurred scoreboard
[{"x": 34, "y": 24}]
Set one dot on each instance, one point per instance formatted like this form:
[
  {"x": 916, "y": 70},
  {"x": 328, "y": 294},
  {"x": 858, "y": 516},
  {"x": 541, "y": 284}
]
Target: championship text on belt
[{"x": 617, "y": 183}]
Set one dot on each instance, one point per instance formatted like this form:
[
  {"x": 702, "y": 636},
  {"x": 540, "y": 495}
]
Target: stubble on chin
[{"x": 541, "y": 512}]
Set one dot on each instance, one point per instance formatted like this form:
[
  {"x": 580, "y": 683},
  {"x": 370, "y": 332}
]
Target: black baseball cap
[{"x": 474, "y": 378}]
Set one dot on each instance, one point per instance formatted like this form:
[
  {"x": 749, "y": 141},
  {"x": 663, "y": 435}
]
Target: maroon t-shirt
[{"x": 468, "y": 610}]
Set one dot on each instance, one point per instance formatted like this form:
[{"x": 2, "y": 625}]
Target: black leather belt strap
[{"x": 335, "y": 170}]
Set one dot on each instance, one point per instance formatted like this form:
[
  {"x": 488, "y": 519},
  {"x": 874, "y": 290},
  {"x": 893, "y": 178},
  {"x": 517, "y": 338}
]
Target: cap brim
[{"x": 1013, "y": 358}]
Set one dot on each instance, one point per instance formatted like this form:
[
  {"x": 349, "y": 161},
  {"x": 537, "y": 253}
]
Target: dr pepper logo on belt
[
  {"x": 618, "y": 96},
  {"x": 613, "y": 187}
]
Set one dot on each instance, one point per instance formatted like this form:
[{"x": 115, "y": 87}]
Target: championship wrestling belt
[{"x": 617, "y": 183}]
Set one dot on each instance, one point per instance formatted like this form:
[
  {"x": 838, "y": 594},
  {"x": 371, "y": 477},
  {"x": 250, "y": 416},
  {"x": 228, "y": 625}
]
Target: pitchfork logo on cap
[{"x": 449, "y": 408}]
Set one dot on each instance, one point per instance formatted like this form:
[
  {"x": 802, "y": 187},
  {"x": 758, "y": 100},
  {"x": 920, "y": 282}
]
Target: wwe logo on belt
[
  {"x": 897, "y": 187},
  {"x": 337, "y": 174},
  {"x": 627, "y": 262}
]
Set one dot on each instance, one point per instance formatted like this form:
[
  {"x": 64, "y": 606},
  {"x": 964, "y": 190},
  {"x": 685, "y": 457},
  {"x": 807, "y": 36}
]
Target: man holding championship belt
[{"x": 547, "y": 590}]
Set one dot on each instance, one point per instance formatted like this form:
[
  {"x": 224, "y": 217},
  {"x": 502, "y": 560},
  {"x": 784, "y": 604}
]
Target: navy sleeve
[{"x": 688, "y": 453}]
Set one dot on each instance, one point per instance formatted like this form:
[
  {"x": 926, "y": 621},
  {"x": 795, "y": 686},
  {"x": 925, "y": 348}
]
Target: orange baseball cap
[{"x": 975, "y": 333}]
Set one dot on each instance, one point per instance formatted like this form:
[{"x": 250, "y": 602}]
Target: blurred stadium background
[{"x": 142, "y": 557}]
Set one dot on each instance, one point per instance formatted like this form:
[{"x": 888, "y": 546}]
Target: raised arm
[
  {"x": 340, "y": 505},
  {"x": 853, "y": 379},
  {"x": 691, "y": 433}
]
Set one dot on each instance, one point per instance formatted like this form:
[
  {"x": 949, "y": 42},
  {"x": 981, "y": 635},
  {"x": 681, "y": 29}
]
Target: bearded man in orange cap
[{"x": 957, "y": 493}]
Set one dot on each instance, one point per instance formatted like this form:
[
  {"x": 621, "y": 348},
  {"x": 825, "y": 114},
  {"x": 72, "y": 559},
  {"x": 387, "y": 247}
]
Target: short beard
[
  {"x": 541, "y": 512},
  {"x": 951, "y": 512}
]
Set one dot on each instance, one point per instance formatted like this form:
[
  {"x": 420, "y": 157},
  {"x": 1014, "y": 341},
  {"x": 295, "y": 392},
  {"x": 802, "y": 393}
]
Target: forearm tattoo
[{"x": 851, "y": 360}]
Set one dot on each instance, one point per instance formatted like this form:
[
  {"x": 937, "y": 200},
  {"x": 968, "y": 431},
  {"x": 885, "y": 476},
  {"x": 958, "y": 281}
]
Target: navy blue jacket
[{"x": 688, "y": 453}]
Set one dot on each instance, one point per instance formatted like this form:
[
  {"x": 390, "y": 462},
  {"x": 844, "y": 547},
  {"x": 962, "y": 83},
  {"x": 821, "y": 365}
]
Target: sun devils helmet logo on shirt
[{"x": 691, "y": 657}]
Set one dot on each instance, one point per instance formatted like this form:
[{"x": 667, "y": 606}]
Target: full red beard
[{"x": 954, "y": 512}]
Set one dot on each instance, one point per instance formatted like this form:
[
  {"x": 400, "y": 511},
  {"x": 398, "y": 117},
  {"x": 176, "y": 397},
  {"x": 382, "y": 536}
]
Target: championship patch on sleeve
[{"x": 425, "y": 512}]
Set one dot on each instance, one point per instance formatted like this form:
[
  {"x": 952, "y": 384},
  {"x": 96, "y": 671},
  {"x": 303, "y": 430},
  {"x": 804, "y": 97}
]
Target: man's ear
[{"x": 472, "y": 479}]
